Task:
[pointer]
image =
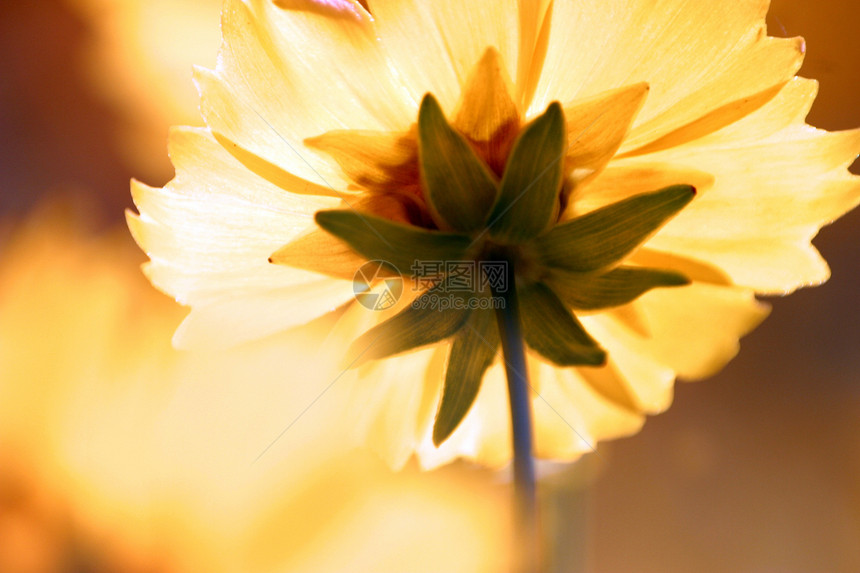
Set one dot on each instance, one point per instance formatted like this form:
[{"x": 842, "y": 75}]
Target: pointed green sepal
[
  {"x": 553, "y": 331},
  {"x": 459, "y": 187},
  {"x": 473, "y": 351},
  {"x": 395, "y": 243},
  {"x": 618, "y": 286},
  {"x": 603, "y": 237},
  {"x": 529, "y": 192},
  {"x": 423, "y": 322}
]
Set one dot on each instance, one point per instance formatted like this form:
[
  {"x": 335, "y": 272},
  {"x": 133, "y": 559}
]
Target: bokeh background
[{"x": 116, "y": 453}]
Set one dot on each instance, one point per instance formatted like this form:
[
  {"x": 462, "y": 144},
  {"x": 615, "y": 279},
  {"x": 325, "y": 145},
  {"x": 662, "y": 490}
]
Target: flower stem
[{"x": 508, "y": 317}]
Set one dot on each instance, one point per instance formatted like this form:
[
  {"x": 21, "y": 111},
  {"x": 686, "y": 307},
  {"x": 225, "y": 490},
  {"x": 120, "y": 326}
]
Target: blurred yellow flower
[
  {"x": 313, "y": 105},
  {"x": 119, "y": 453},
  {"x": 138, "y": 60}
]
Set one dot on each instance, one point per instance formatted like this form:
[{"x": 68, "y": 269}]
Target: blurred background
[{"x": 117, "y": 453}]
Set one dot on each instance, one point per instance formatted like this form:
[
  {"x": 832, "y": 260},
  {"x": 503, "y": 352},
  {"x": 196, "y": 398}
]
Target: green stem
[{"x": 508, "y": 317}]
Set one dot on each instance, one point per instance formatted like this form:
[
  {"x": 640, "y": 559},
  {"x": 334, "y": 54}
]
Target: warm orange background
[{"x": 757, "y": 469}]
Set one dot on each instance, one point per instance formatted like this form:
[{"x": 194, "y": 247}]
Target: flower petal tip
[{"x": 338, "y": 8}]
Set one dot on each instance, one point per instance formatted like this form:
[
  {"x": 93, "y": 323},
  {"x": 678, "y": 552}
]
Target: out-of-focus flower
[
  {"x": 119, "y": 453},
  {"x": 313, "y": 105},
  {"x": 140, "y": 59}
]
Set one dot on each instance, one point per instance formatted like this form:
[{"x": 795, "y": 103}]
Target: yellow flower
[
  {"x": 118, "y": 453},
  {"x": 314, "y": 106},
  {"x": 137, "y": 60}
]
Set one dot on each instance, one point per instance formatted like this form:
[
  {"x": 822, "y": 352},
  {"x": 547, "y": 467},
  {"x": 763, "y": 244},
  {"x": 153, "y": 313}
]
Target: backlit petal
[
  {"x": 390, "y": 395},
  {"x": 483, "y": 436},
  {"x": 256, "y": 313},
  {"x": 571, "y": 417},
  {"x": 535, "y": 16},
  {"x": 374, "y": 161},
  {"x": 645, "y": 380},
  {"x": 287, "y": 74},
  {"x": 487, "y": 113},
  {"x": 621, "y": 180},
  {"x": 596, "y": 126},
  {"x": 742, "y": 223},
  {"x": 210, "y": 231},
  {"x": 696, "y": 56},
  {"x": 693, "y": 330},
  {"x": 434, "y": 45}
]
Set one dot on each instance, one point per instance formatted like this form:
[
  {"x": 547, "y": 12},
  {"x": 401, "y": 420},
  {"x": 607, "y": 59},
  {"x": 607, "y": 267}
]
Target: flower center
[{"x": 385, "y": 167}]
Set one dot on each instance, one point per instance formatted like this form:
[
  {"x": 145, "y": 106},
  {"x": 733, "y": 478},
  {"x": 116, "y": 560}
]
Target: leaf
[
  {"x": 423, "y": 322},
  {"x": 459, "y": 188},
  {"x": 473, "y": 351},
  {"x": 601, "y": 238},
  {"x": 550, "y": 329},
  {"x": 395, "y": 243},
  {"x": 529, "y": 192},
  {"x": 618, "y": 286}
]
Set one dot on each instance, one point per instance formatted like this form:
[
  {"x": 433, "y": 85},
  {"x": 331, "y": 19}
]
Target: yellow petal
[
  {"x": 621, "y": 180},
  {"x": 374, "y": 161},
  {"x": 710, "y": 122},
  {"x": 486, "y": 104},
  {"x": 648, "y": 381},
  {"x": 487, "y": 113},
  {"x": 694, "y": 330},
  {"x": 756, "y": 224},
  {"x": 255, "y": 313},
  {"x": 270, "y": 90},
  {"x": 535, "y": 16},
  {"x": 321, "y": 252},
  {"x": 212, "y": 228},
  {"x": 596, "y": 126},
  {"x": 694, "y": 269},
  {"x": 805, "y": 185},
  {"x": 435, "y": 45},
  {"x": 324, "y": 183},
  {"x": 770, "y": 265},
  {"x": 764, "y": 63},
  {"x": 391, "y": 401},
  {"x": 390, "y": 395},
  {"x": 484, "y": 435},
  {"x": 608, "y": 384},
  {"x": 570, "y": 417},
  {"x": 696, "y": 56},
  {"x": 209, "y": 234},
  {"x": 345, "y": 9},
  {"x": 788, "y": 107}
]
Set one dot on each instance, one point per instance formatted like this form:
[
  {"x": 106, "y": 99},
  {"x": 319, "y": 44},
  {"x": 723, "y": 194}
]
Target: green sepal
[
  {"x": 603, "y": 237},
  {"x": 473, "y": 351},
  {"x": 619, "y": 286},
  {"x": 419, "y": 324},
  {"x": 459, "y": 187},
  {"x": 529, "y": 192},
  {"x": 395, "y": 243},
  {"x": 553, "y": 331}
]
